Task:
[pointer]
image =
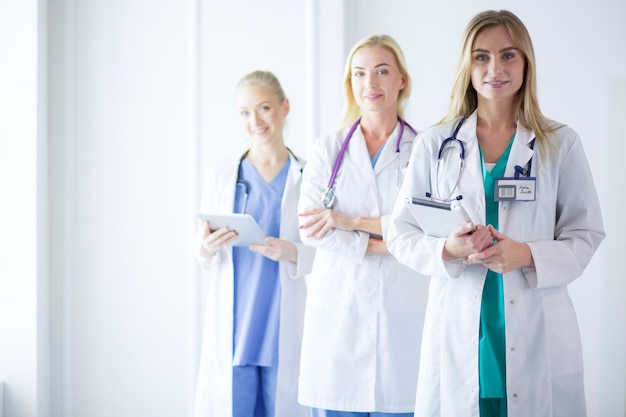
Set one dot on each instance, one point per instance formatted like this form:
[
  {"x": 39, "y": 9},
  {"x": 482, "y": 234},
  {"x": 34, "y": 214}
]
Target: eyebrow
[
  {"x": 508, "y": 48},
  {"x": 255, "y": 105},
  {"x": 384, "y": 64}
]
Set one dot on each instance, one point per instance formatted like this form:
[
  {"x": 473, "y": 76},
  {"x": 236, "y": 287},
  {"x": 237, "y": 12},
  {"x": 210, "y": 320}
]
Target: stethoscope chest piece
[{"x": 328, "y": 198}]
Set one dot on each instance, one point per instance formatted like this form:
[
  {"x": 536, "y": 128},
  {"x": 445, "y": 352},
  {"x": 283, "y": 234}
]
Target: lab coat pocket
[{"x": 564, "y": 335}]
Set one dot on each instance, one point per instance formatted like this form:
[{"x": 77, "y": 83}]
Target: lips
[
  {"x": 496, "y": 84},
  {"x": 372, "y": 96}
]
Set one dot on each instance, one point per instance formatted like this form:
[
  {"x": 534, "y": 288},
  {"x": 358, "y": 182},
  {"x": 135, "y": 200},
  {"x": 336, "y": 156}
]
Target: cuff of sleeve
[
  {"x": 384, "y": 224},
  {"x": 531, "y": 276},
  {"x": 453, "y": 268},
  {"x": 304, "y": 265}
]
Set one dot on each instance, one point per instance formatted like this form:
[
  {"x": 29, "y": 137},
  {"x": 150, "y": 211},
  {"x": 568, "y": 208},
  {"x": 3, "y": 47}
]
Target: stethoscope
[
  {"x": 328, "y": 196},
  {"x": 245, "y": 186},
  {"x": 447, "y": 145}
]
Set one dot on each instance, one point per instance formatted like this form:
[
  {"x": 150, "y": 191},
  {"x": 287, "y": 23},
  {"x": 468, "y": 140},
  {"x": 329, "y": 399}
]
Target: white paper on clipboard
[
  {"x": 248, "y": 230},
  {"x": 435, "y": 218}
]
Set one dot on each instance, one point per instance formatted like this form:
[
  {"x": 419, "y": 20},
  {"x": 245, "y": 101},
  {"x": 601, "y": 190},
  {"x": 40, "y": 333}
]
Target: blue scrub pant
[
  {"x": 317, "y": 412},
  {"x": 492, "y": 407},
  {"x": 254, "y": 391}
]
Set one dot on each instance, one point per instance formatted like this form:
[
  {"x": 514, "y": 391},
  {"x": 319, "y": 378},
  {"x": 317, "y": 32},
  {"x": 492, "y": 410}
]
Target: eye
[
  {"x": 244, "y": 113},
  {"x": 481, "y": 57},
  {"x": 264, "y": 109},
  {"x": 508, "y": 55},
  {"x": 358, "y": 74},
  {"x": 382, "y": 72}
]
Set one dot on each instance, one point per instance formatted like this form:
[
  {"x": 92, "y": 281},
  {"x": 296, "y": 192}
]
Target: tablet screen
[
  {"x": 435, "y": 218},
  {"x": 248, "y": 230}
]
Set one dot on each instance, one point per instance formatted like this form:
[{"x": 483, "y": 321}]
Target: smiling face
[
  {"x": 376, "y": 79},
  {"x": 262, "y": 113},
  {"x": 497, "y": 70}
]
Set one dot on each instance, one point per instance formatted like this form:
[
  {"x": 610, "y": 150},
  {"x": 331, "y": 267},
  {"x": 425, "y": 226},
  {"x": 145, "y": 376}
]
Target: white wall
[
  {"x": 122, "y": 139},
  {"x": 20, "y": 196},
  {"x": 239, "y": 37},
  {"x": 114, "y": 117}
]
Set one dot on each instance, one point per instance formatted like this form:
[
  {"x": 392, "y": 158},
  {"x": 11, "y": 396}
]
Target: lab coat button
[
  {"x": 512, "y": 301},
  {"x": 514, "y": 395}
]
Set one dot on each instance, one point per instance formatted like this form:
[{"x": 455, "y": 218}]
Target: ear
[
  {"x": 403, "y": 83},
  {"x": 286, "y": 107}
]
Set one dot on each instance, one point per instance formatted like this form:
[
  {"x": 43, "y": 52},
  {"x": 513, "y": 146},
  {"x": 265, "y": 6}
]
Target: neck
[
  {"x": 495, "y": 116},
  {"x": 269, "y": 154},
  {"x": 378, "y": 126}
]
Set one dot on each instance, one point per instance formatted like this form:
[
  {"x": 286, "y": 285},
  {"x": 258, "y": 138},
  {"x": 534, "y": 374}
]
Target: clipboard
[
  {"x": 248, "y": 230},
  {"x": 435, "y": 218}
]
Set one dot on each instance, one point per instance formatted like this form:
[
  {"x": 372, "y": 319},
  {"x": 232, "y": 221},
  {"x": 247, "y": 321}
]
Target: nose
[
  {"x": 369, "y": 79},
  {"x": 254, "y": 117},
  {"x": 495, "y": 66}
]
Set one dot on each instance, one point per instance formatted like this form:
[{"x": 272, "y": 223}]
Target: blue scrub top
[
  {"x": 377, "y": 155},
  {"x": 257, "y": 285},
  {"x": 491, "y": 347}
]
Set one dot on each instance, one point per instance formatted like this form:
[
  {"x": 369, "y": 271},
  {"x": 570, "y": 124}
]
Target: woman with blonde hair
[
  {"x": 256, "y": 294},
  {"x": 364, "y": 310},
  {"x": 501, "y": 336}
]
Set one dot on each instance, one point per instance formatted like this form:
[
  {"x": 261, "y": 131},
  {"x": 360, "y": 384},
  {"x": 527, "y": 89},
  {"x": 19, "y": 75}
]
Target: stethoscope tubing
[
  {"x": 442, "y": 148},
  {"x": 244, "y": 184},
  {"x": 329, "y": 193}
]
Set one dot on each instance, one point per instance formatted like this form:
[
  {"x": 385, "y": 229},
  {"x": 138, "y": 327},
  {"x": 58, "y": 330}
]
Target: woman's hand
[
  {"x": 277, "y": 249},
  {"x": 212, "y": 241},
  {"x": 504, "y": 256},
  {"x": 465, "y": 240},
  {"x": 320, "y": 222}
]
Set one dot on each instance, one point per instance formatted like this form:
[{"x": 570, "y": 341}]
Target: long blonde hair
[
  {"x": 351, "y": 110},
  {"x": 464, "y": 98}
]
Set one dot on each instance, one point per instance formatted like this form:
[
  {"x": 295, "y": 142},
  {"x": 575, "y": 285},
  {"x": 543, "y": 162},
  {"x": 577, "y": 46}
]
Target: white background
[{"x": 109, "y": 110}]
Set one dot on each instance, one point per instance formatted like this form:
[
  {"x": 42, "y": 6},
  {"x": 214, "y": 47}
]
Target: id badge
[{"x": 515, "y": 189}]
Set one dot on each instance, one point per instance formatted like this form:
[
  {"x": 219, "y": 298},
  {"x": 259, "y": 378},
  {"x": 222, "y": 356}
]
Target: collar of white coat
[
  {"x": 388, "y": 154},
  {"x": 521, "y": 153}
]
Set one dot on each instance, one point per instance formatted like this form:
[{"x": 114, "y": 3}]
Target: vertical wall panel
[{"x": 19, "y": 198}]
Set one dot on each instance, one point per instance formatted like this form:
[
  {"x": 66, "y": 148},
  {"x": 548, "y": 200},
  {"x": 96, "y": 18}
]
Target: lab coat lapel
[
  {"x": 388, "y": 154},
  {"x": 293, "y": 180},
  {"x": 228, "y": 176},
  {"x": 521, "y": 153},
  {"x": 473, "y": 195},
  {"x": 360, "y": 156}
]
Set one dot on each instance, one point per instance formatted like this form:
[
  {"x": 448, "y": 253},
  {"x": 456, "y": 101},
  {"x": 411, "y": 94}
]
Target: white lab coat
[
  {"x": 214, "y": 384},
  {"x": 563, "y": 227},
  {"x": 364, "y": 314}
]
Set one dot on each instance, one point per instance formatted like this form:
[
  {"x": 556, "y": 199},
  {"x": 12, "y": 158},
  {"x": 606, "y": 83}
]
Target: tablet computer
[
  {"x": 435, "y": 218},
  {"x": 248, "y": 230}
]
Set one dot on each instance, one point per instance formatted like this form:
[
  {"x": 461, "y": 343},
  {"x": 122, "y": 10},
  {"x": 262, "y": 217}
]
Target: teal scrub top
[{"x": 491, "y": 347}]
